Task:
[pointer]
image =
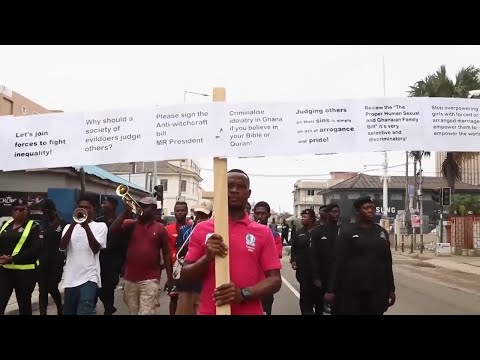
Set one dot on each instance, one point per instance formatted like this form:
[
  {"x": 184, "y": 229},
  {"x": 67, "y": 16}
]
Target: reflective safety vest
[{"x": 18, "y": 247}]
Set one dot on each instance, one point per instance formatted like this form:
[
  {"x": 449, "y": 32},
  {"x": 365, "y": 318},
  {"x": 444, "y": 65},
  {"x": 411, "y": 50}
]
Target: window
[
  {"x": 310, "y": 192},
  {"x": 164, "y": 182},
  {"x": 184, "y": 186},
  {"x": 24, "y": 110}
]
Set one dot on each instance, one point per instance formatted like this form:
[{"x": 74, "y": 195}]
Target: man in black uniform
[
  {"x": 300, "y": 260},
  {"x": 285, "y": 231},
  {"x": 323, "y": 240},
  {"x": 361, "y": 280},
  {"x": 110, "y": 258},
  {"x": 51, "y": 258},
  {"x": 19, "y": 251}
]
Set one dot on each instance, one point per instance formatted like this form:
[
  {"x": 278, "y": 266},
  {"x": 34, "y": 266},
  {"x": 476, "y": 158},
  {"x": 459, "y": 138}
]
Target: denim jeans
[{"x": 80, "y": 300}]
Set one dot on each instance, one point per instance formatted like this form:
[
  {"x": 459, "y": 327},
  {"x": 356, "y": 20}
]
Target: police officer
[
  {"x": 111, "y": 257},
  {"x": 19, "y": 251},
  {"x": 361, "y": 280},
  {"x": 323, "y": 240},
  {"x": 51, "y": 258},
  {"x": 300, "y": 260}
]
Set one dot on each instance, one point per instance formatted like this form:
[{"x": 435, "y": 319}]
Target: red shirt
[
  {"x": 278, "y": 244},
  {"x": 252, "y": 251},
  {"x": 172, "y": 230},
  {"x": 143, "y": 253}
]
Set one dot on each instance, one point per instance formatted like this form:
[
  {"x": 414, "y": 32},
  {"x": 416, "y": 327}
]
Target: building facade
[
  {"x": 178, "y": 182},
  {"x": 13, "y": 103},
  {"x": 345, "y": 193},
  {"x": 308, "y": 194}
]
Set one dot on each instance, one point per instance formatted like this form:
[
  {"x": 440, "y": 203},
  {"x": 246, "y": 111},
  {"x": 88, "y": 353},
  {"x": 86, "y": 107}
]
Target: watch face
[{"x": 246, "y": 293}]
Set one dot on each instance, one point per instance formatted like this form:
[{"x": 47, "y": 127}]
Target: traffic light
[
  {"x": 437, "y": 195},
  {"x": 446, "y": 196},
  {"x": 158, "y": 192}
]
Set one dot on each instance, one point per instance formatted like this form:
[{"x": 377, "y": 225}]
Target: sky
[{"x": 93, "y": 78}]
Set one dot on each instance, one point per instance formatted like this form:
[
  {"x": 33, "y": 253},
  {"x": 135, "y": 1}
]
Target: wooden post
[{"x": 220, "y": 197}]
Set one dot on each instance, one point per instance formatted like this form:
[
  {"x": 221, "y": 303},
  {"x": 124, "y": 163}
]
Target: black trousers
[
  {"x": 49, "y": 276},
  {"x": 267, "y": 304},
  {"x": 311, "y": 299},
  {"x": 374, "y": 302},
  {"x": 110, "y": 274},
  {"x": 23, "y": 282}
]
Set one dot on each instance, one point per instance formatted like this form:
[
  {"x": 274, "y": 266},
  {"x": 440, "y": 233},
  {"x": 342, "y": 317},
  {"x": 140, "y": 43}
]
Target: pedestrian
[
  {"x": 111, "y": 258},
  {"x": 285, "y": 231},
  {"x": 52, "y": 259},
  {"x": 301, "y": 263},
  {"x": 189, "y": 294},
  {"x": 253, "y": 259},
  {"x": 19, "y": 252},
  {"x": 145, "y": 239},
  {"x": 323, "y": 239},
  {"x": 82, "y": 243},
  {"x": 261, "y": 213},
  {"x": 361, "y": 280},
  {"x": 293, "y": 231},
  {"x": 180, "y": 210}
]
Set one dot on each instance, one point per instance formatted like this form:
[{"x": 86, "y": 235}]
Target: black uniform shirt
[
  {"x": 300, "y": 250},
  {"x": 362, "y": 260},
  {"x": 51, "y": 235},
  {"x": 323, "y": 241},
  {"x": 30, "y": 250}
]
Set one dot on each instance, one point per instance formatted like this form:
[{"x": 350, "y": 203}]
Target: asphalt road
[{"x": 421, "y": 290}]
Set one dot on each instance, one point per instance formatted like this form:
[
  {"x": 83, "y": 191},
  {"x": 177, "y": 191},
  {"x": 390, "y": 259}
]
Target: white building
[
  {"x": 307, "y": 194},
  {"x": 170, "y": 174}
]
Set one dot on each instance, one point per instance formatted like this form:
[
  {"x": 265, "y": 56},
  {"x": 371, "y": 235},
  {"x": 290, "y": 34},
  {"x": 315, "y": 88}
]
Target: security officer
[
  {"x": 51, "y": 258},
  {"x": 300, "y": 260},
  {"x": 19, "y": 251},
  {"x": 323, "y": 240},
  {"x": 361, "y": 280}
]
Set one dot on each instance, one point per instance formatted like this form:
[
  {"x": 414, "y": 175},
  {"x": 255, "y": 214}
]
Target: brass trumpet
[
  {"x": 122, "y": 191},
  {"x": 80, "y": 215}
]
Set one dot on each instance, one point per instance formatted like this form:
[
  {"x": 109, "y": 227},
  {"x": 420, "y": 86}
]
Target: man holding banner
[{"x": 254, "y": 263}]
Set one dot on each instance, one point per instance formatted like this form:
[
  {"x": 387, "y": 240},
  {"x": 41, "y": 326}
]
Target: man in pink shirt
[{"x": 254, "y": 262}]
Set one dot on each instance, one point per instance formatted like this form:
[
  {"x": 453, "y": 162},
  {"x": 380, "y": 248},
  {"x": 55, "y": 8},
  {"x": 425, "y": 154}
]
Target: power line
[{"x": 307, "y": 175}]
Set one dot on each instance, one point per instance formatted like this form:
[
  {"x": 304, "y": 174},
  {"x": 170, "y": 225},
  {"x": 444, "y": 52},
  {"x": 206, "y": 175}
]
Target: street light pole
[{"x": 182, "y": 160}]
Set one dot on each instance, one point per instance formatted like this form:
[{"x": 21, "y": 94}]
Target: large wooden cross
[{"x": 220, "y": 197}]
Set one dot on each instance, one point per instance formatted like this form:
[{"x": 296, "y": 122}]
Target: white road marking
[{"x": 292, "y": 289}]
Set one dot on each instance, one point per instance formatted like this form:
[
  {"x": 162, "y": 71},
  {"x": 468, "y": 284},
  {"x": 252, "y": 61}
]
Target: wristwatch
[{"x": 246, "y": 295}]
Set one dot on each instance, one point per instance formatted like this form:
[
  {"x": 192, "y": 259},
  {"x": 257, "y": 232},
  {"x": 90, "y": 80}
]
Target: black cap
[
  {"x": 49, "y": 205},
  {"x": 330, "y": 207},
  {"x": 357, "y": 204},
  {"x": 308, "y": 212}
]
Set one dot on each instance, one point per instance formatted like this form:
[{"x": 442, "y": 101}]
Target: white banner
[{"x": 239, "y": 130}]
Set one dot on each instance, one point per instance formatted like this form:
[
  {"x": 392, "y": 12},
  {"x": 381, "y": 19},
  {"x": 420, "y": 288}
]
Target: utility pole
[
  {"x": 385, "y": 193},
  {"x": 180, "y": 181},
  {"x": 415, "y": 203},
  {"x": 420, "y": 199},
  {"x": 155, "y": 174},
  {"x": 385, "y": 169},
  {"x": 407, "y": 204}
]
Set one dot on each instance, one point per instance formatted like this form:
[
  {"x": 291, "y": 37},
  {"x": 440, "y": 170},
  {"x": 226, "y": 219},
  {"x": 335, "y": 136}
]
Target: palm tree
[{"x": 440, "y": 85}]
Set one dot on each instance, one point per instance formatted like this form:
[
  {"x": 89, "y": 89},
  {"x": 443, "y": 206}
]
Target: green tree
[
  {"x": 466, "y": 204},
  {"x": 440, "y": 85}
]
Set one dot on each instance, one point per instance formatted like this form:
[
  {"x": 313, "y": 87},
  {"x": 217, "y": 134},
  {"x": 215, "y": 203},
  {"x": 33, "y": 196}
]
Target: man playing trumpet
[
  {"x": 146, "y": 238},
  {"x": 82, "y": 240}
]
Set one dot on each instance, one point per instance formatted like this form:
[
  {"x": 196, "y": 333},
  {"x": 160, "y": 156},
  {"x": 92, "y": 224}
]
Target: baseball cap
[
  {"x": 148, "y": 201},
  {"x": 206, "y": 206}
]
